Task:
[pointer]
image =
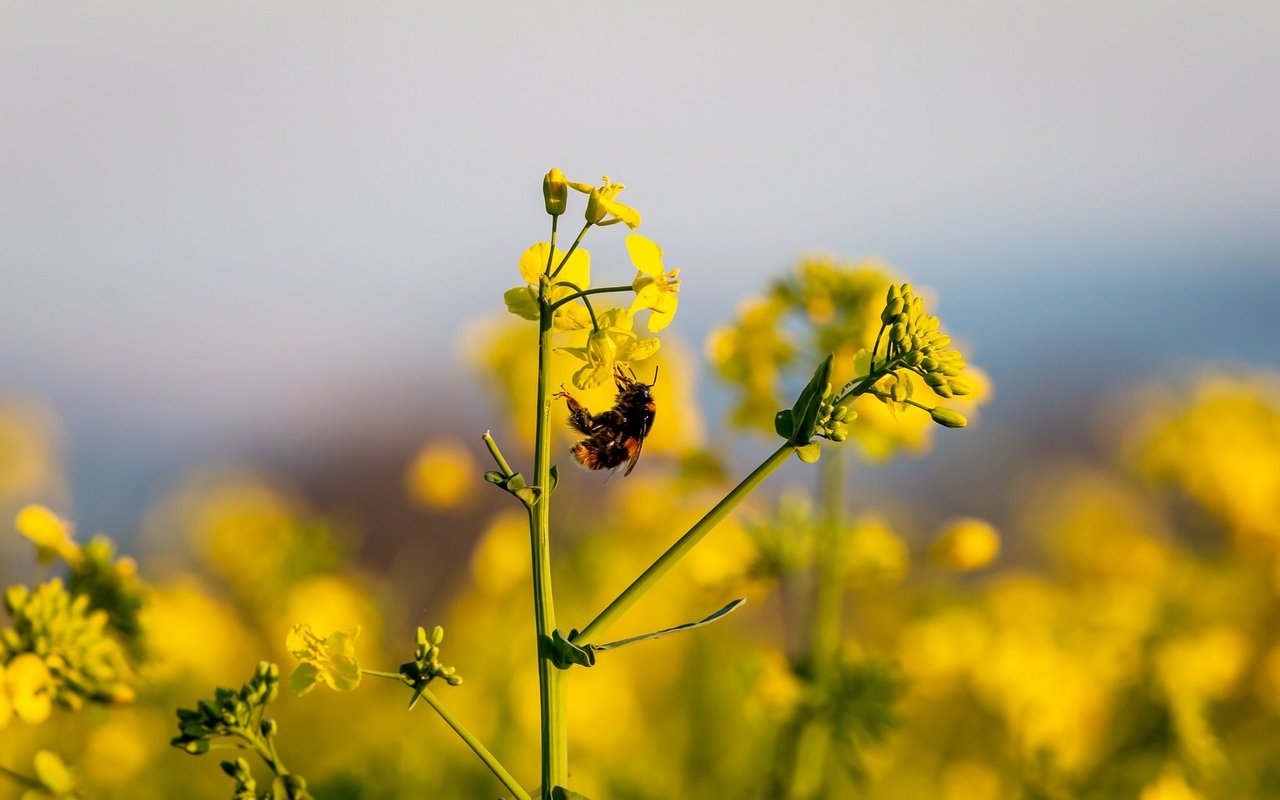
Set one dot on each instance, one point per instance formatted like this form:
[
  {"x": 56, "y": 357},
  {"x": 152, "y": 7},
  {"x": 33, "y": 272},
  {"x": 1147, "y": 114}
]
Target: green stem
[
  {"x": 552, "y": 682},
  {"x": 828, "y": 594},
  {"x": 573, "y": 247},
  {"x": 584, "y": 292},
  {"x": 498, "y": 459},
  {"x": 682, "y": 546},
  {"x": 479, "y": 749},
  {"x": 595, "y": 326},
  {"x": 19, "y": 778}
]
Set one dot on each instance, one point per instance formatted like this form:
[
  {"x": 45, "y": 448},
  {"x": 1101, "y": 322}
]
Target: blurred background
[{"x": 253, "y": 258}]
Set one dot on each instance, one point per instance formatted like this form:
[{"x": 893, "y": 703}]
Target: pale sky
[{"x": 213, "y": 211}]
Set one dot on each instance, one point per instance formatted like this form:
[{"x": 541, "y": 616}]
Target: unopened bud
[
  {"x": 555, "y": 191},
  {"x": 948, "y": 418}
]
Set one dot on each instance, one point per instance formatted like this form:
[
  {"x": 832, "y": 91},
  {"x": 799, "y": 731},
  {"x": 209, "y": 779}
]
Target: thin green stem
[
  {"x": 498, "y": 459},
  {"x": 499, "y": 771},
  {"x": 395, "y": 676},
  {"x": 584, "y": 292},
  {"x": 595, "y": 326},
  {"x": 908, "y": 401},
  {"x": 573, "y": 247},
  {"x": 552, "y": 682},
  {"x": 682, "y": 546},
  {"x": 19, "y": 778},
  {"x": 551, "y": 251}
]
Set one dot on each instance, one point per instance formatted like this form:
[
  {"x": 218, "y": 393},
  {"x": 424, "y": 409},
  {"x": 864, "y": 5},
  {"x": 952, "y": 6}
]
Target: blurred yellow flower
[
  {"x": 654, "y": 286},
  {"x": 523, "y": 300},
  {"x": 28, "y": 450},
  {"x": 443, "y": 475},
  {"x": 966, "y": 544},
  {"x": 1206, "y": 664},
  {"x": 970, "y": 780},
  {"x": 26, "y": 690},
  {"x": 51, "y": 534},
  {"x": 874, "y": 556},
  {"x": 1170, "y": 786}
]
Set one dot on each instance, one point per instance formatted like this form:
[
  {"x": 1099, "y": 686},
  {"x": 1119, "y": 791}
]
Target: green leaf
[
  {"x": 809, "y": 403},
  {"x": 418, "y": 689},
  {"x": 495, "y": 477},
  {"x": 784, "y": 423},
  {"x": 564, "y": 653},
  {"x": 809, "y": 453},
  {"x": 529, "y": 495},
  {"x": 561, "y": 793},
  {"x": 666, "y": 631},
  {"x": 514, "y": 483},
  {"x": 554, "y": 480},
  {"x": 522, "y": 301}
]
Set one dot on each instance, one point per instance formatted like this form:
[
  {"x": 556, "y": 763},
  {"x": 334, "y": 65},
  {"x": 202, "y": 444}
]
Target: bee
[{"x": 616, "y": 435}]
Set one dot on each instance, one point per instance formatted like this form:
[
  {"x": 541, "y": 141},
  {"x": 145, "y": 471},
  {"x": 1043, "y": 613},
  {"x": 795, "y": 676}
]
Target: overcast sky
[{"x": 210, "y": 210}]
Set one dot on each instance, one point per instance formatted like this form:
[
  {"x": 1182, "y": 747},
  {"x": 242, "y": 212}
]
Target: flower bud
[
  {"x": 948, "y": 418},
  {"x": 555, "y": 191}
]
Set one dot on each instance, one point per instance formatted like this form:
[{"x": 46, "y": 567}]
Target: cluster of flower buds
[
  {"x": 231, "y": 713},
  {"x": 426, "y": 665},
  {"x": 914, "y": 337},
  {"x": 85, "y": 663},
  {"x": 292, "y": 787},
  {"x": 833, "y": 419}
]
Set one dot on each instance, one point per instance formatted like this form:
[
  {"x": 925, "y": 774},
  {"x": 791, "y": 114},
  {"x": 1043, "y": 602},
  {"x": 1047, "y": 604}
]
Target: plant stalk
[
  {"x": 488, "y": 758},
  {"x": 682, "y": 546},
  {"x": 552, "y": 682}
]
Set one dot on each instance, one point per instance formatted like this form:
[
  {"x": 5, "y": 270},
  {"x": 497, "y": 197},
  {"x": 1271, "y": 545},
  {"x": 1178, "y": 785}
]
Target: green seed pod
[{"x": 948, "y": 418}]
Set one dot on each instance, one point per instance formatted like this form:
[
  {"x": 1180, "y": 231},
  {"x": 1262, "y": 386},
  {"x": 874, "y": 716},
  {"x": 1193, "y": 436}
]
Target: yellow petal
[
  {"x": 590, "y": 376},
  {"x": 662, "y": 312},
  {"x": 572, "y": 318},
  {"x": 641, "y": 349},
  {"x": 624, "y": 214},
  {"x": 533, "y": 262},
  {"x": 645, "y": 254},
  {"x": 577, "y": 270}
]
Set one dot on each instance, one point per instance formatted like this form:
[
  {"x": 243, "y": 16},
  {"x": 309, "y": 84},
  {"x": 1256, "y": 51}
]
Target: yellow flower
[
  {"x": 442, "y": 475},
  {"x": 655, "y": 287},
  {"x": 51, "y": 534},
  {"x": 601, "y": 202},
  {"x": 966, "y": 544},
  {"x": 614, "y": 343},
  {"x": 26, "y": 690},
  {"x": 523, "y": 300},
  {"x": 329, "y": 659}
]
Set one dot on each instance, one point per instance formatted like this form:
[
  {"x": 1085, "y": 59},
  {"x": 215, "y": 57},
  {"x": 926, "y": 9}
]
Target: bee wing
[{"x": 631, "y": 462}]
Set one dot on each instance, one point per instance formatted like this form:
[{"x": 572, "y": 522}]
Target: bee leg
[{"x": 579, "y": 416}]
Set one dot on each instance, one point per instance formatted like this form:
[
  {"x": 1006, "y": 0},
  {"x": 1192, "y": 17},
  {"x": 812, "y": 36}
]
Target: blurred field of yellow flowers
[{"x": 1130, "y": 651}]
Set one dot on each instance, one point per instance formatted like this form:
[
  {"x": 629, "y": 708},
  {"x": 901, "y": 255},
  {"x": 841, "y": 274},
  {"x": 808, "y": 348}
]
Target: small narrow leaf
[
  {"x": 561, "y": 793},
  {"x": 495, "y": 477},
  {"x": 666, "y": 631},
  {"x": 564, "y": 653},
  {"x": 555, "y": 479}
]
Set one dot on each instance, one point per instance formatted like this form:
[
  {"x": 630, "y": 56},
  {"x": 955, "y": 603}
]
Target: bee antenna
[{"x": 655, "y": 376}]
